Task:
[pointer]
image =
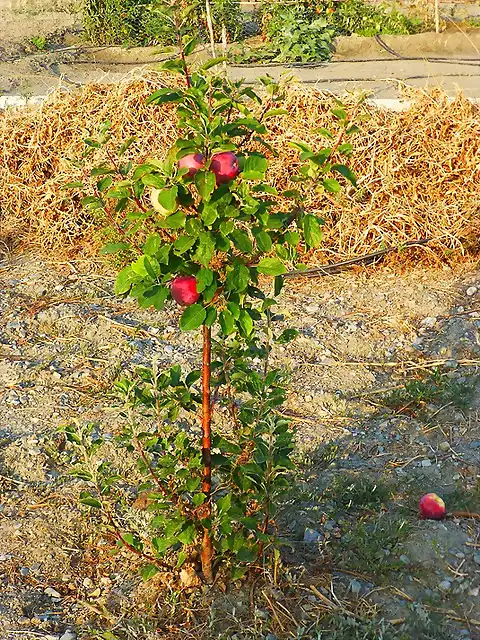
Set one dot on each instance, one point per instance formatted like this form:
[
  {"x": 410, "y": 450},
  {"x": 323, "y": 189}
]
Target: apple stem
[{"x": 207, "y": 546}]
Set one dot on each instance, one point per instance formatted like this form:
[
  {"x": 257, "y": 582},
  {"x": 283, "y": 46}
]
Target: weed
[
  {"x": 371, "y": 544},
  {"x": 39, "y": 42},
  {"x": 354, "y": 493},
  {"x": 465, "y": 499},
  {"x": 437, "y": 388}
]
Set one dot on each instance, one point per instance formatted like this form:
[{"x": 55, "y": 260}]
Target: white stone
[{"x": 471, "y": 291}]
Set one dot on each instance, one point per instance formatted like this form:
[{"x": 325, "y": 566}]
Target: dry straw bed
[{"x": 418, "y": 171}]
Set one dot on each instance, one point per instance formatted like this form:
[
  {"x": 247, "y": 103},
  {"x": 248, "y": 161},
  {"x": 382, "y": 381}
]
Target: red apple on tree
[
  {"x": 184, "y": 290},
  {"x": 225, "y": 166},
  {"x": 432, "y": 507},
  {"x": 193, "y": 162}
]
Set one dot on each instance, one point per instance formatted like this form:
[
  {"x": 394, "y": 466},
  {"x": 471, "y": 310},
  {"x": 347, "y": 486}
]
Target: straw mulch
[{"x": 418, "y": 171}]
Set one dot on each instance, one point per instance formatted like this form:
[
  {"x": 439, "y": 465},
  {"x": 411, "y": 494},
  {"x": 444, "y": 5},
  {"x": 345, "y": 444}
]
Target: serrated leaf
[
  {"x": 238, "y": 278},
  {"x": 287, "y": 336},
  {"x": 204, "y": 279},
  {"x": 205, "y": 182},
  {"x": 193, "y": 317},
  {"x": 175, "y": 221},
  {"x": 167, "y": 198},
  {"x": 271, "y": 267},
  {"x": 264, "y": 241},
  {"x": 254, "y": 167},
  {"x": 205, "y": 249},
  {"x": 312, "y": 231},
  {"x": 188, "y": 535},
  {"x": 242, "y": 241},
  {"x": 227, "y": 322},
  {"x": 152, "y": 244},
  {"x": 292, "y": 238},
  {"x": 156, "y": 296},
  {"x": 124, "y": 281},
  {"x": 183, "y": 243}
]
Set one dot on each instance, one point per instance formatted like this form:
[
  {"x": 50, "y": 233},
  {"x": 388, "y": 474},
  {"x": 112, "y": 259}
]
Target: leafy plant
[
  {"x": 39, "y": 42},
  {"x": 204, "y": 228}
]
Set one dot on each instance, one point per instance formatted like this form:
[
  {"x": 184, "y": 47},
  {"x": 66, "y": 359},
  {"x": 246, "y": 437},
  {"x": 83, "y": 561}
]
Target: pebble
[
  {"x": 445, "y": 585},
  {"x": 355, "y": 587},
  {"x": 444, "y": 446},
  {"x": 24, "y": 571},
  {"x": 476, "y": 558},
  {"x": 474, "y": 592},
  {"x": 475, "y": 444},
  {"x": 52, "y": 593},
  {"x": 429, "y": 322},
  {"x": 311, "y": 535},
  {"x": 68, "y": 635},
  {"x": 312, "y": 308},
  {"x": 471, "y": 291},
  {"x": 426, "y": 463},
  {"x": 404, "y": 559}
]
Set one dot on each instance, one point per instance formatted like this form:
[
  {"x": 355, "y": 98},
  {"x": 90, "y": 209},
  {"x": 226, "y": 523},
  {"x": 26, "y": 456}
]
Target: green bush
[{"x": 147, "y": 22}]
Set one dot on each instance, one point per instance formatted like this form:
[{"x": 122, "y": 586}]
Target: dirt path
[{"x": 376, "y": 428}]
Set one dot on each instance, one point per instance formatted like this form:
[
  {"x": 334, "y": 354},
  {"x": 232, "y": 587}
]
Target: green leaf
[
  {"x": 167, "y": 198},
  {"x": 332, "y": 185},
  {"x": 188, "y": 535},
  {"x": 183, "y": 243},
  {"x": 88, "y": 500},
  {"x": 275, "y": 112},
  {"x": 164, "y": 95},
  {"x": 238, "y": 278},
  {"x": 113, "y": 247},
  {"x": 205, "y": 182},
  {"x": 271, "y": 267},
  {"x": 209, "y": 215},
  {"x": 148, "y": 571},
  {"x": 341, "y": 114},
  {"x": 279, "y": 282},
  {"x": 312, "y": 231},
  {"x": 300, "y": 146},
  {"x": 189, "y": 45},
  {"x": 242, "y": 241},
  {"x": 287, "y": 336},
  {"x": 238, "y": 573},
  {"x": 204, "y": 279},
  {"x": 193, "y": 317},
  {"x": 212, "y": 63},
  {"x": 227, "y": 322},
  {"x": 264, "y": 241},
  {"x": 152, "y": 244},
  {"x": 255, "y": 167},
  {"x": 292, "y": 238},
  {"x": 156, "y": 296},
  {"x": 124, "y": 281},
  {"x": 246, "y": 555},
  {"x": 224, "y": 504},
  {"x": 205, "y": 249},
  {"x": 346, "y": 173},
  {"x": 246, "y": 322},
  {"x": 211, "y": 317},
  {"x": 175, "y": 221}
]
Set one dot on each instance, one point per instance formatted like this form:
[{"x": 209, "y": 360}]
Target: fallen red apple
[
  {"x": 225, "y": 166},
  {"x": 184, "y": 290},
  {"x": 193, "y": 162},
  {"x": 432, "y": 507}
]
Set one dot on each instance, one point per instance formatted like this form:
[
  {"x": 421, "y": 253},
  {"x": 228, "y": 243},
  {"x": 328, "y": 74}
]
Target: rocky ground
[{"x": 384, "y": 401}]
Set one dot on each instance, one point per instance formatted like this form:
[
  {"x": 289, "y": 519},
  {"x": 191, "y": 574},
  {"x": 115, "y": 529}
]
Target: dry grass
[{"x": 418, "y": 171}]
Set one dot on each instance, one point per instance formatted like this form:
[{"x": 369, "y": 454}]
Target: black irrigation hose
[{"x": 330, "y": 269}]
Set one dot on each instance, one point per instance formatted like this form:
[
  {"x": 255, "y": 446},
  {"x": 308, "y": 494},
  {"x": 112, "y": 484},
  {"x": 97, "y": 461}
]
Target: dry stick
[
  {"x": 210, "y": 27},
  {"x": 207, "y": 546},
  {"x": 332, "y": 268}
]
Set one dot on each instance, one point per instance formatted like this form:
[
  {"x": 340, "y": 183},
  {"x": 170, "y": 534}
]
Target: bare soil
[{"x": 65, "y": 338}]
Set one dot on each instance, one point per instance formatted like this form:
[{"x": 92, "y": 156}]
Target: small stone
[
  {"x": 404, "y": 559},
  {"x": 429, "y": 322},
  {"x": 24, "y": 571},
  {"x": 5, "y": 556},
  {"x": 311, "y": 535},
  {"x": 355, "y": 587},
  {"x": 69, "y": 635},
  {"x": 56, "y": 375},
  {"x": 456, "y": 476},
  {"x": 476, "y": 558},
  {"x": 52, "y": 593},
  {"x": 87, "y": 583},
  {"x": 445, "y": 585},
  {"x": 270, "y": 636},
  {"x": 312, "y": 308},
  {"x": 475, "y": 444},
  {"x": 261, "y": 613},
  {"x": 444, "y": 446},
  {"x": 471, "y": 291},
  {"x": 426, "y": 463},
  {"x": 474, "y": 592}
]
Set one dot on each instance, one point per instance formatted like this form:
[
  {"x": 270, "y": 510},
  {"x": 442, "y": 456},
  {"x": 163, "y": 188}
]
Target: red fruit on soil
[
  {"x": 432, "y": 507},
  {"x": 184, "y": 290},
  {"x": 225, "y": 166},
  {"x": 192, "y": 162}
]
